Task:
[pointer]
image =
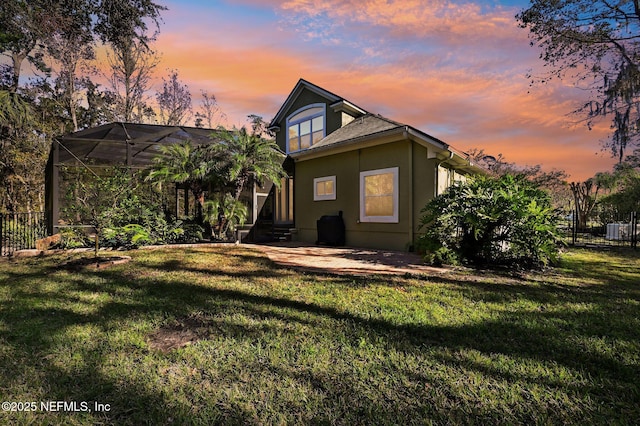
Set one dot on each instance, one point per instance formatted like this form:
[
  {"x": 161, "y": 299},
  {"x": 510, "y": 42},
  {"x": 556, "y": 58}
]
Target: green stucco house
[{"x": 340, "y": 158}]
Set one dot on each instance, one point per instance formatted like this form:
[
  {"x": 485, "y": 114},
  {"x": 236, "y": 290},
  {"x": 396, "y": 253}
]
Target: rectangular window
[
  {"x": 293, "y": 138},
  {"x": 305, "y": 141},
  {"x": 379, "y": 195},
  {"x": 284, "y": 201},
  {"x": 324, "y": 188}
]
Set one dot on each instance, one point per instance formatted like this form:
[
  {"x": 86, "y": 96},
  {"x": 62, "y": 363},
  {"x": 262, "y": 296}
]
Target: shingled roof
[
  {"x": 370, "y": 127},
  {"x": 366, "y": 125}
]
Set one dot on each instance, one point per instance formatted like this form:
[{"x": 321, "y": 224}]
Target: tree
[
  {"x": 553, "y": 181},
  {"x": 174, "y": 101},
  {"x": 596, "y": 45},
  {"x": 71, "y": 46},
  {"x": 121, "y": 22},
  {"x": 491, "y": 221},
  {"x": 259, "y": 126},
  {"x": 58, "y": 36},
  {"x": 248, "y": 155},
  {"x": 131, "y": 65},
  {"x": 25, "y": 25},
  {"x": 16, "y": 165},
  {"x": 122, "y": 25},
  {"x": 186, "y": 164},
  {"x": 623, "y": 187},
  {"x": 210, "y": 113},
  {"x": 225, "y": 214},
  {"x": 244, "y": 157},
  {"x": 100, "y": 106},
  {"x": 585, "y": 200},
  {"x": 13, "y": 109}
]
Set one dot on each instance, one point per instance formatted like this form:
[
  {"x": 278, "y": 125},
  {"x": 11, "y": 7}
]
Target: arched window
[{"x": 306, "y": 127}]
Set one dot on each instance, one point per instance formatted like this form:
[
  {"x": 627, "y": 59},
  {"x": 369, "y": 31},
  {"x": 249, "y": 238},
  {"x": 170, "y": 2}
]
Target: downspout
[
  {"x": 411, "y": 203},
  {"x": 435, "y": 189}
]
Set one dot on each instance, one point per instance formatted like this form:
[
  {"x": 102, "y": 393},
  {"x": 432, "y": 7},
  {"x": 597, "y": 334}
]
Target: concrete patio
[{"x": 346, "y": 260}]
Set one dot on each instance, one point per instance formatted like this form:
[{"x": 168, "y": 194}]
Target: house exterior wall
[
  {"x": 416, "y": 175},
  {"x": 424, "y": 184},
  {"x": 444, "y": 179}
]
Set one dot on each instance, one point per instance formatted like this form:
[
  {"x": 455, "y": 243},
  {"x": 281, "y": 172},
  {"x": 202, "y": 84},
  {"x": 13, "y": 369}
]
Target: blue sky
[{"x": 454, "y": 69}]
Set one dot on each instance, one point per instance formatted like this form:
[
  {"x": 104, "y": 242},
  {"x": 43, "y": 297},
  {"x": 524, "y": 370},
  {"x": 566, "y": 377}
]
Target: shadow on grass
[{"x": 34, "y": 315}]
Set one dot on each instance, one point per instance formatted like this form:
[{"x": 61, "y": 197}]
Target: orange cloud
[
  {"x": 470, "y": 95},
  {"x": 464, "y": 22}
]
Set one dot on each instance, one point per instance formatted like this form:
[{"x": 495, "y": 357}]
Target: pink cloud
[
  {"x": 464, "y": 22},
  {"x": 462, "y": 89}
]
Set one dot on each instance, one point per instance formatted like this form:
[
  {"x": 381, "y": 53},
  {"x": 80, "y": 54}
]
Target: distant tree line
[{"x": 67, "y": 88}]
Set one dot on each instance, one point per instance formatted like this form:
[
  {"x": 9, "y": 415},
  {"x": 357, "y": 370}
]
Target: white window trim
[
  {"x": 316, "y": 196},
  {"x": 380, "y": 219},
  {"x": 298, "y": 111}
]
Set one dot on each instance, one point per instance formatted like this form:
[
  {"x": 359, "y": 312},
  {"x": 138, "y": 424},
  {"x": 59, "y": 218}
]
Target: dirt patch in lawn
[
  {"x": 100, "y": 262},
  {"x": 175, "y": 336}
]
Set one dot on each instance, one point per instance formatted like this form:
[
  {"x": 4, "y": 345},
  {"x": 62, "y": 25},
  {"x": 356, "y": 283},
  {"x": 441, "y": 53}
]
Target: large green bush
[
  {"x": 122, "y": 208},
  {"x": 491, "y": 221}
]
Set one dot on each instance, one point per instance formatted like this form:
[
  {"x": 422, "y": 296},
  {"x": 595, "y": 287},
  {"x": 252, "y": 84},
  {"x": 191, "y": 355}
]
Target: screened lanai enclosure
[{"x": 88, "y": 169}]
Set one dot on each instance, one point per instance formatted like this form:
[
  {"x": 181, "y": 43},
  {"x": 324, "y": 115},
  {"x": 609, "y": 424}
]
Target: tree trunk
[
  {"x": 198, "y": 194},
  {"x": 17, "y": 58},
  {"x": 584, "y": 201},
  {"x": 240, "y": 184}
]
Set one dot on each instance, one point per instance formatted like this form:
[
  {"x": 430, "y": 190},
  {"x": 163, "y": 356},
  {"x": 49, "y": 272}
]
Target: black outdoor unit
[{"x": 331, "y": 230}]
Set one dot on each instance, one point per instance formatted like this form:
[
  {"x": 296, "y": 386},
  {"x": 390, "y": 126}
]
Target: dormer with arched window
[
  {"x": 306, "y": 127},
  {"x": 309, "y": 115}
]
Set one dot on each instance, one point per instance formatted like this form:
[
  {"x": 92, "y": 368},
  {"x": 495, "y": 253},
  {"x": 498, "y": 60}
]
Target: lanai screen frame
[{"x": 130, "y": 145}]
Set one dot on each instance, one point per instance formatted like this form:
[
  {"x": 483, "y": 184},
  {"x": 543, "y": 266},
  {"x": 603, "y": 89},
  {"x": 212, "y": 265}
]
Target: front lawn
[{"x": 221, "y": 336}]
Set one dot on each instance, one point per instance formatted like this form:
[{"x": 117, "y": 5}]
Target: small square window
[{"x": 324, "y": 188}]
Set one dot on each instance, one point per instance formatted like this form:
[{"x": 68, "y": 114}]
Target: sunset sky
[{"x": 453, "y": 69}]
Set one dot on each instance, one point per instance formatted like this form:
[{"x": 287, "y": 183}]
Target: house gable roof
[
  {"x": 336, "y": 102},
  {"x": 366, "y": 125},
  {"x": 365, "y": 130},
  {"x": 370, "y": 127},
  {"x": 374, "y": 129}
]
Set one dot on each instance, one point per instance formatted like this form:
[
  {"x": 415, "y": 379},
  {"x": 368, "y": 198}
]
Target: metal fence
[
  {"x": 19, "y": 231},
  {"x": 621, "y": 232}
]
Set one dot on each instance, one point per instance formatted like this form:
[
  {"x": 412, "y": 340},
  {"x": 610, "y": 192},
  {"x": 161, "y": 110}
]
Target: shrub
[
  {"x": 191, "y": 233},
  {"x": 128, "y": 236},
  {"x": 491, "y": 221},
  {"x": 225, "y": 214},
  {"x": 71, "y": 238}
]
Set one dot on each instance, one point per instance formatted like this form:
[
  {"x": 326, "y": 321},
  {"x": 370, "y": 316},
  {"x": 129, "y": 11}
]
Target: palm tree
[
  {"x": 14, "y": 111},
  {"x": 249, "y": 155},
  {"x": 186, "y": 164}
]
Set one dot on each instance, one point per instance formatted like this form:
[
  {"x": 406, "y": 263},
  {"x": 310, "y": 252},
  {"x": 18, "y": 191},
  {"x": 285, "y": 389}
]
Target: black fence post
[
  {"x": 634, "y": 229},
  {"x": 11, "y": 233},
  {"x": 574, "y": 227}
]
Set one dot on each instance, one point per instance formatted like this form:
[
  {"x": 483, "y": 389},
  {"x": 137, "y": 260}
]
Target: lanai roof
[{"x": 126, "y": 143}]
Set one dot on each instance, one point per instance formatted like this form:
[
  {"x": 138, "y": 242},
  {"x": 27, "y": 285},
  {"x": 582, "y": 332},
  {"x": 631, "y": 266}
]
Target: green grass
[{"x": 269, "y": 345}]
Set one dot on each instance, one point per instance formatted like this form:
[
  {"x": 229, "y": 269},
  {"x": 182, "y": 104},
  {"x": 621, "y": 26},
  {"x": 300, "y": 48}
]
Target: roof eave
[
  {"x": 300, "y": 85},
  {"x": 348, "y": 107},
  {"x": 365, "y": 141}
]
